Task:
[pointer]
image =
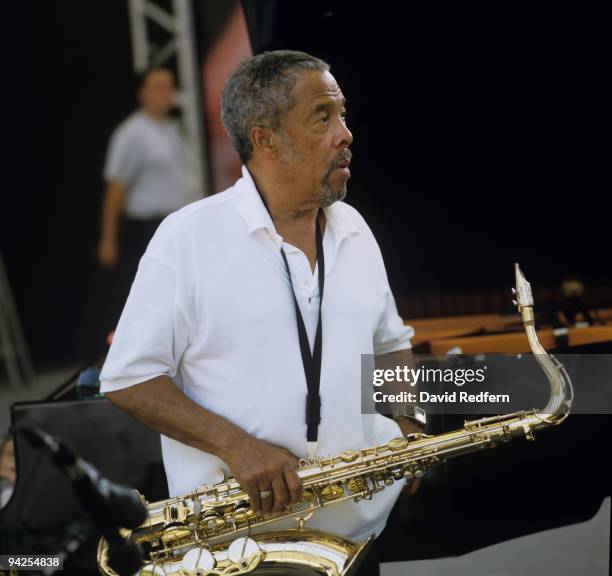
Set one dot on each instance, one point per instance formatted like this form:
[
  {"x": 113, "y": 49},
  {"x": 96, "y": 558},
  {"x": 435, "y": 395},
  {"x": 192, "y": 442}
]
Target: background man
[
  {"x": 147, "y": 178},
  {"x": 208, "y": 350}
]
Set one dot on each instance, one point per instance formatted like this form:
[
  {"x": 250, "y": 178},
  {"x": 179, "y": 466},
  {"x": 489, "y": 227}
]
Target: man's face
[
  {"x": 315, "y": 141},
  {"x": 157, "y": 92}
]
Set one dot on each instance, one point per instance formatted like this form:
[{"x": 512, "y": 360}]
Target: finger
[
  {"x": 253, "y": 491},
  {"x": 266, "y": 503},
  {"x": 281, "y": 494},
  {"x": 414, "y": 487},
  {"x": 294, "y": 484}
]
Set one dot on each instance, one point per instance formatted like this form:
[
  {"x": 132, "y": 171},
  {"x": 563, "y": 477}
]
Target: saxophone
[{"x": 213, "y": 532}]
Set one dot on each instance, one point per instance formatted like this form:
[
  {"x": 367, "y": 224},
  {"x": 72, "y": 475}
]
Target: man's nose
[{"x": 343, "y": 135}]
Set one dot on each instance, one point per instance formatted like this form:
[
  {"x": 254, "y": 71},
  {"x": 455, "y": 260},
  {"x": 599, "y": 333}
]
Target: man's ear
[{"x": 265, "y": 141}]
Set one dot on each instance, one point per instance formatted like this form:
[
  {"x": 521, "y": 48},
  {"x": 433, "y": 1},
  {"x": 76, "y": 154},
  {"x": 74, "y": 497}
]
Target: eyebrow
[{"x": 327, "y": 105}]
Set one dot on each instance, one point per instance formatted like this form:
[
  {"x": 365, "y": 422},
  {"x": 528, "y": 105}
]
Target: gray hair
[{"x": 257, "y": 93}]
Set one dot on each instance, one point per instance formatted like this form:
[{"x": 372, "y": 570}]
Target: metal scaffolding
[
  {"x": 175, "y": 29},
  {"x": 14, "y": 351}
]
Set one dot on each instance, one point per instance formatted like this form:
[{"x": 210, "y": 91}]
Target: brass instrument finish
[{"x": 212, "y": 531}]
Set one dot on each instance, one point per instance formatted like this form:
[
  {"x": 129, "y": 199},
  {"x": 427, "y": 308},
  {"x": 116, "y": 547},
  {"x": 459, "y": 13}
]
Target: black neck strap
[{"x": 311, "y": 361}]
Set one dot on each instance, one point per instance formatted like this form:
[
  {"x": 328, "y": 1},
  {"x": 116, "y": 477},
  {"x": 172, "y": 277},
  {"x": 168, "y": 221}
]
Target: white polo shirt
[
  {"x": 152, "y": 159},
  {"x": 211, "y": 307}
]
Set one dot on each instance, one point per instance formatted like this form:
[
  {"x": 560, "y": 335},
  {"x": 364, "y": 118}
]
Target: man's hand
[
  {"x": 260, "y": 466},
  {"x": 108, "y": 254},
  {"x": 257, "y": 465},
  {"x": 409, "y": 426},
  {"x": 7, "y": 461}
]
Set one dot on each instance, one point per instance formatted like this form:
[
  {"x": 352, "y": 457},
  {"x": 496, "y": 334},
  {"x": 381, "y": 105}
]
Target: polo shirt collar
[
  {"x": 340, "y": 221},
  {"x": 251, "y": 208},
  {"x": 250, "y": 205}
]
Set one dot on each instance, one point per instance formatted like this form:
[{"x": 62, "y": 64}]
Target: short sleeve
[
  {"x": 122, "y": 158},
  {"x": 391, "y": 333},
  {"x": 152, "y": 333}
]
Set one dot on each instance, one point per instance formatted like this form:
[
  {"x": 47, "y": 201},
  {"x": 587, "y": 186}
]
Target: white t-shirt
[
  {"x": 151, "y": 159},
  {"x": 212, "y": 308}
]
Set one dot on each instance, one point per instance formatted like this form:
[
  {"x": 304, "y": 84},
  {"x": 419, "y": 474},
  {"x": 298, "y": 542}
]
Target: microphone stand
[{"x": 110, "y": 506}]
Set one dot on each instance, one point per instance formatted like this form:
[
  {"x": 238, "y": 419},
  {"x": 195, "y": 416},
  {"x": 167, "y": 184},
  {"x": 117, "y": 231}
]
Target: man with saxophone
[{"x": 251, "y": 308}]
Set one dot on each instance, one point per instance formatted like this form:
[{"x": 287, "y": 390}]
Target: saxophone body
[{"x": 212, "y": 531}]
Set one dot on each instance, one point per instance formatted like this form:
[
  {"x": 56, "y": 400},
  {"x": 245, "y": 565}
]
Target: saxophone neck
[{"x": 561, "y": 391}]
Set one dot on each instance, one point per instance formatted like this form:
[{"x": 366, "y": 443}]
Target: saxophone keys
[
  {"x": 242, "y": 512},
  {"x": 397, "y": 444},
  {"x": 176, "y": 513},
  {"x": 332, "y": 492},
  {"x": 349, "y": 456},
  {"x": 198, "y": 559},
  {"x": 152, "y": 570},
  {"x": 355, "y": 485},
  {"x": 212, "y": 521},
  {"x": 174, "y": 534},
  {"x": 245, "y": 553}
]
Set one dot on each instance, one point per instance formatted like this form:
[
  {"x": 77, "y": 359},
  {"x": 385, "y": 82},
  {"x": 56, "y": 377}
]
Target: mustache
[{"x": 344, "y": 155}]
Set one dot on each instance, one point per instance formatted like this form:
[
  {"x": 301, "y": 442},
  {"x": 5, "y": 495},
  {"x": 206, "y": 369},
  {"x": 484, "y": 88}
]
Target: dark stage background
[{"x": 482, "y": 136}]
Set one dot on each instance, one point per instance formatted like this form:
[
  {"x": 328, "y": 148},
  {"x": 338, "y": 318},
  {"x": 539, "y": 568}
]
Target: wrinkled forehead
[{"x": 314, "y": 89}]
